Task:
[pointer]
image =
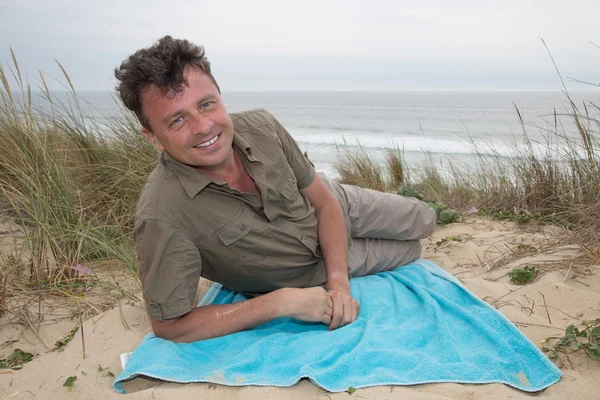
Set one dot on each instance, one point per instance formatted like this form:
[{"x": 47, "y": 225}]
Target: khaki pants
[{"x": 385, "y": 228}]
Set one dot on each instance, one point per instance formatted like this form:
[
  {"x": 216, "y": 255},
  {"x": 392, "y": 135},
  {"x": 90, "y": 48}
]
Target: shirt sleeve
[
  {"x": 303, "y": 169},
  {"x": 170, "y": 266}
]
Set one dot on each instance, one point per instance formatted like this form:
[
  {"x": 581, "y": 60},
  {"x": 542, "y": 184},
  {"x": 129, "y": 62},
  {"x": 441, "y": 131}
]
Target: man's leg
[
  {"x": 370, "y": 256},
  {"x": 385, "y": 228},
  {"x": 378, "y": 215}
]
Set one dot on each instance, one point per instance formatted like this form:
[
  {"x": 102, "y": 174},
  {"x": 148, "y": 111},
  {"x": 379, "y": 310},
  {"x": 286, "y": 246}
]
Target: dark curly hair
[{"x": 163, "y": 65}]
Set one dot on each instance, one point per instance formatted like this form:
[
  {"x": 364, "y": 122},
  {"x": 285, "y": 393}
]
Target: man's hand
[
  {"x": 345, "y": 307},
  {"x": 311, "y": 304}
]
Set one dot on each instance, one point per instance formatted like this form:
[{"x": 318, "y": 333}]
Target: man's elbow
[{"x": 168, "y": 329}]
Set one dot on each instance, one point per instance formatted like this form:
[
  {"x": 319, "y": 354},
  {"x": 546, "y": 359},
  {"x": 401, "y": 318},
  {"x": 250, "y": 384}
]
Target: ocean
[{"x": 440, "y": 125}]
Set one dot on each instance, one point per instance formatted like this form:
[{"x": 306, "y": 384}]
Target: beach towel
[{"x": 417, "y": 324}]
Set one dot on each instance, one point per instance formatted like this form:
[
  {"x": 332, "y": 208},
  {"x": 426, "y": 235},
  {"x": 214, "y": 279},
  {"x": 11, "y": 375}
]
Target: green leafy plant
[
  {"x": 444, "y": 214},
  {"x": 16, "y": 360},
  {"x": 527, "y": 248},
  {"x": 438, "y": 207},
  {"x": 69, "y": 382},
  {"x": 105, "y": 371},
  {"x": 62, "y": 343},
  {"x": 585, "y": 337},
  {"x": 448, "y": 239},
  {"x": 524, "y": 275},
  {"x": 521, "y": 217},
  {"x": 448, "y": 216},
  {"x": 409, "y": 191}
]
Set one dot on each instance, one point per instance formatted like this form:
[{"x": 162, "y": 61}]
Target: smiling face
[{"x": 192, "y": 126}]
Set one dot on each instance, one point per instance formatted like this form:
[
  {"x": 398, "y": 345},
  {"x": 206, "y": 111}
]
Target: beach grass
[
  {"x": 71, "y": 183},
  {"x": 557, "y": 181}
]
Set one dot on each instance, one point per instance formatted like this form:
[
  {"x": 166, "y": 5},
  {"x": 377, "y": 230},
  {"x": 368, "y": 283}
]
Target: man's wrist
[
  {"x": 338, "y": 282},
  {"x": 285, "y": 303}
]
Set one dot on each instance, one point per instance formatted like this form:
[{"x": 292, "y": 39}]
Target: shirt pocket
[
  {"x": 246, "y": 237},
  {"x": 295, "y": 202}
]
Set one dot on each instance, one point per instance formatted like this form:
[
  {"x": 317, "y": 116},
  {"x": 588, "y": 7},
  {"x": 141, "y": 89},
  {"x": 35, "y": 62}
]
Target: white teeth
[{"x": 211, "y": 141}]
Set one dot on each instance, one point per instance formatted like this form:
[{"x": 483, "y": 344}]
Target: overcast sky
[{"x": 308, "y": 45}]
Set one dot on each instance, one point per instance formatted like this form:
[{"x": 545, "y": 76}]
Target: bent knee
[{"x": 426, "y": 220}]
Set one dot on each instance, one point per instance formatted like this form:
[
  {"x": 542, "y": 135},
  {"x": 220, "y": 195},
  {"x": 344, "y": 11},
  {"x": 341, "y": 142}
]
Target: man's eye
[
  {"x": 207, "y": 104},
  {"x": 177, "y": 120}
]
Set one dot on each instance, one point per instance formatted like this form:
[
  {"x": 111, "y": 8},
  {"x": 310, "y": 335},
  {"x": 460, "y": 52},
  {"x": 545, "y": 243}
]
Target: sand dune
[{"x": 480, "y": 252}]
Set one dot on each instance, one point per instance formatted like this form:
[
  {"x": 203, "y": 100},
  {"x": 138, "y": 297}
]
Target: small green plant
[
  {"x": 444, "y": 214},
  {"x": 448, "y": 216},
  {"x": 351, "y": 390},
  {"x": 69, "y": 382},
  {"x": 524, "y": 275},
  {"x": 521, "y": 217},
  {"x": 438, "y": 207},
  {"x": 448, "y": 239},
  {"x": 526, "y": 248},
  {"x": 409, "y": 191},
  {"x": 586, "y": 338},
  {"x": 62, "y": 343},
  {"x": 16, "y": 360},
  {"x": 105, "y": 372}
]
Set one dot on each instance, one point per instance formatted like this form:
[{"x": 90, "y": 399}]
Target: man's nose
[{"x": 201, "y": 123}]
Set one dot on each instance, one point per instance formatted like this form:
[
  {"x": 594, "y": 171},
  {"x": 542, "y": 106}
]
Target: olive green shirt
[{"x": 188, "y": 225}]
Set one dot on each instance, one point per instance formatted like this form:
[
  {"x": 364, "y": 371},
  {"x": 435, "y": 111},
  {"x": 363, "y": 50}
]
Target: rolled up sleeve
[{"x": 170, "y": 266}]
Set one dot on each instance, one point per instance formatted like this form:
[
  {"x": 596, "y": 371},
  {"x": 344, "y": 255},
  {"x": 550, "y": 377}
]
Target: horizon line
[{"x": 558, "y": 90}]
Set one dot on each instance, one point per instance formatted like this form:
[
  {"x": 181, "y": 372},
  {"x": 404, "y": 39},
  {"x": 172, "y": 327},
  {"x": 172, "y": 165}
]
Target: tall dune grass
[{"x": 70, "y": 182}]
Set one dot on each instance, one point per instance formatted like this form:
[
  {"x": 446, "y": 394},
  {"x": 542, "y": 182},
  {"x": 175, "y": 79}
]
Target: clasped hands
[
  {"x": 334, "y": 307},
  {"x": 344, "y": 308}
]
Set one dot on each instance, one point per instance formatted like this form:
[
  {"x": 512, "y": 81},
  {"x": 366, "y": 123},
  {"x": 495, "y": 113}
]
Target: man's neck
[{"x": 230, "y": 172}]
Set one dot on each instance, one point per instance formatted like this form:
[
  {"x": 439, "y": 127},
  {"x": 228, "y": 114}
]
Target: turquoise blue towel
[{"x": 417, "y": 324}]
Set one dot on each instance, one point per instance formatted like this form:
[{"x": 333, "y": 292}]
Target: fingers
[
  {"x": 345, "y": 310},
  {"x": 342, "y": 310},
  {"x": 335, "y": 318},
  {"x": 349, "y": 311},
  {"x": 329, "y": 306},
  {"x": 328, "y": 310},
  {"x": 338, "y": 312}
]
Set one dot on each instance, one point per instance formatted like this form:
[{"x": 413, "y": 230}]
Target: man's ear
[{"x": 152, "y": 138}]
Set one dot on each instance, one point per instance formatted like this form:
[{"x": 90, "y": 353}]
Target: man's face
[{"x": 192, "y": 126}]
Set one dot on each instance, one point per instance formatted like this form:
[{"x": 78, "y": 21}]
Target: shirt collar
[{"x": 194, "y": 181}]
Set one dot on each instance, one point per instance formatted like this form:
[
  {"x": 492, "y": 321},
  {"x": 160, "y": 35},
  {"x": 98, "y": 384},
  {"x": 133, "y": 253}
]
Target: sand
[{"x": 486, "y": 252}]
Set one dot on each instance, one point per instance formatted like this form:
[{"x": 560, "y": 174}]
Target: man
[{"x": 234, "y": 200}]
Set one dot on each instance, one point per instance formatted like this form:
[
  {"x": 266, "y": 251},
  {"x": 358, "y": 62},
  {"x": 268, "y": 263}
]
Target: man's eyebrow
[{"x": 205, "y": 99}]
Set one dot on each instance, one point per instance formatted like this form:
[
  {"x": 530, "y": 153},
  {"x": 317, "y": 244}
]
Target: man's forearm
[
  {"x": 220, "y": 319},
  {"x": 308, "y": 304},
  {"x": 334, "y": 244}
]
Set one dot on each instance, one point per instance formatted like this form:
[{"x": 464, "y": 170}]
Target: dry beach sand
[{"x": 482, "y": 254}]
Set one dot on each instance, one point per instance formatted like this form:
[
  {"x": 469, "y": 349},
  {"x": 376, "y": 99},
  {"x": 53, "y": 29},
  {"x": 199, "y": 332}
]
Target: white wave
[{"x": 414, "y": 143}]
